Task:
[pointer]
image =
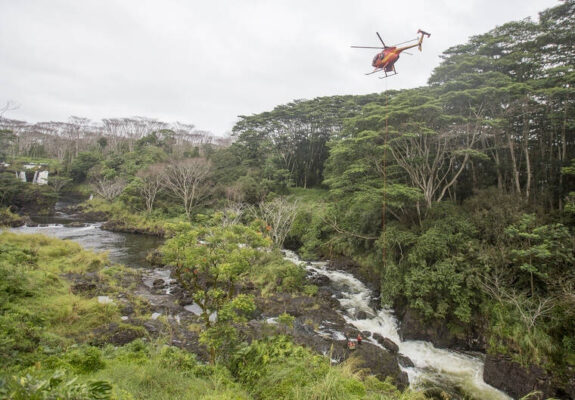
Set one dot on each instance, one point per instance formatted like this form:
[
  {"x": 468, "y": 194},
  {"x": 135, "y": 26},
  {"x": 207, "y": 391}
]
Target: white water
[{"x": 433, "y": 367}]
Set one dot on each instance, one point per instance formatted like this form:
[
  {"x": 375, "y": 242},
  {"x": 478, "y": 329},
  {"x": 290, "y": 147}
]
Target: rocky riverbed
[{"x": 154, "y": 305}]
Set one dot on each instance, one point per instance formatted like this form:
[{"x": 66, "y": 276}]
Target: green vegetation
[
  {"x": 476, "y": 232},
  {"x": 46, "y": 332},
  {"x": 36, "y": 199},
  {"x": 39, "y": 314},
  {"x": 8, "y": 218}
]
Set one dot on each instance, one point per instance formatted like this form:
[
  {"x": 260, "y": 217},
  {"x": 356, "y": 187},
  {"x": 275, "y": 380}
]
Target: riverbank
[
  {"x": 147, "y": 305},
  {"x": 411, "y": 326}
]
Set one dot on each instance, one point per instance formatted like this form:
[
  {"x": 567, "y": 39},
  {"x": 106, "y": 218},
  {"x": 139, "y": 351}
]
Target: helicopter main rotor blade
[
  {"x": 366, "y": 47},
  {"x": 381, "y": 40}
]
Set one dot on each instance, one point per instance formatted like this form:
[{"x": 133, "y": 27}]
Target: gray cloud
[{"x": 207, "y": 62}]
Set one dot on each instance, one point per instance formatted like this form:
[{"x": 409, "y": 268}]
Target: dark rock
[
  {"x": 375, "y": 303},
  {"x": 310, "y": 307},
  {"x": 84, "y": 287},
  {"x": 381, "y": 363},
  {"x": 117, "y": 334},
  {"x": 361, "y": 315},
  {"x": 86, "y": 284},
  {"x": 127, "y": 309},
  {"x": 350, "y": 330},
  {"x": 413, "y": 326},
  {"x": 405, "y": 361},
  {"x": 181, "y": 296},
  {"x": 92, "y": 216},
  {"x": 158, "y": 283},
  {"x": 387, "y": 343},
  {"x": 154, "y": 327},
  {"x": 326, "y": 296},
  {"x": 379, "y": 338},
  {"x": 121, "y": 226},
  {"x": 319, "y": 280},
  {"x": 303, "y": 329},
  {"x": 516, "y": 380}
]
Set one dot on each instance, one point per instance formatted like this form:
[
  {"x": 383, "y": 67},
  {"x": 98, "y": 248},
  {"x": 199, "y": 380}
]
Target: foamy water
[{"x": 433, "y": 367}]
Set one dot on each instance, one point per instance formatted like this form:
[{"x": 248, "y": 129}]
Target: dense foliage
[{"x": 459, "y": 195}]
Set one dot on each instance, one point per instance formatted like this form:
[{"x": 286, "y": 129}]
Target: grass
[
  {"x": 38, "y": 311},
  {"x": 125, "y": 220},
  {"x": 158, "y": 377},
  {"x": 45, "y": 331}
]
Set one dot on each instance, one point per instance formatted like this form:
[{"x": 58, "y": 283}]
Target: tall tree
[
  {"x": 151, "y": 181},
  {"x": 187, "y": 180}
]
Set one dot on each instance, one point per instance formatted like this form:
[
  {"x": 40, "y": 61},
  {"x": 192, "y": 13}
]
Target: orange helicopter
[{"x": 385, "y": 61}]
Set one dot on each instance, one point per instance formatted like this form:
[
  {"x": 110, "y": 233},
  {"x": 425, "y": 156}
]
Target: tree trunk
[
  {"x": 526, "y": 152},
  {"x": 563, "y": 155},
  {"x": 514, "y": 164},
  {"x": 498, "y": 169}
]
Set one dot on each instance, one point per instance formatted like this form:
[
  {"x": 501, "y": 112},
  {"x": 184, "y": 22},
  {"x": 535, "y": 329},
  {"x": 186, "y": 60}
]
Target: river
[
  {"x": 460, "y": 374},
  {"x": 122, "y": 248}
]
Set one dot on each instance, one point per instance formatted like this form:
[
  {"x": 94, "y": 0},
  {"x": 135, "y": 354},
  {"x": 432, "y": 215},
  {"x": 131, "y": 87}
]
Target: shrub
[
  {"x": 54, "y": 387},
  {"x": 85, "y": 359}
]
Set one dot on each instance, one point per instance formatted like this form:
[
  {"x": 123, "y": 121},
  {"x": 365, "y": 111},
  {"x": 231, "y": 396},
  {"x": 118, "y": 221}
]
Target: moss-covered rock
[{"x": 8, "y": 218}]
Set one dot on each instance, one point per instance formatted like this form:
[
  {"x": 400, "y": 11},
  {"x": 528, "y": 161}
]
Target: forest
[{"x": 455, "y": 200}]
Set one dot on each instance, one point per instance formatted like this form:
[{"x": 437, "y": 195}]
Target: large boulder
[
  {"x": 502, "y": 372},
  {"x": 381, "y": 363},
  {"x": 378, "y": 361},
  {"x": 387, "y": 343},
  {"x": 414, "y": 326}
]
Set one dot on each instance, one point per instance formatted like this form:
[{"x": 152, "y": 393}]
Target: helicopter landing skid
[{"x": 388, "y": 76}]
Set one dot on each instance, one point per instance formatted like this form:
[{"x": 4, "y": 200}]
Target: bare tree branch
[{"x": 187, "y": 181}]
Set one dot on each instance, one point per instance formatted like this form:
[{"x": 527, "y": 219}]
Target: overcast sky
[{"x": 206, "y": 62}]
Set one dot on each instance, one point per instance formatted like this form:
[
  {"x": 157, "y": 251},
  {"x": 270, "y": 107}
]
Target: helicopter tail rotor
[{"x": 423, "y": 33}]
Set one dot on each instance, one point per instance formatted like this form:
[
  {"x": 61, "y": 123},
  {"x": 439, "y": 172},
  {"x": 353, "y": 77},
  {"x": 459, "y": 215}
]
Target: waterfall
[
  {"x": 443, "y": 368},
  {"x": 42, "y": 178}
]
